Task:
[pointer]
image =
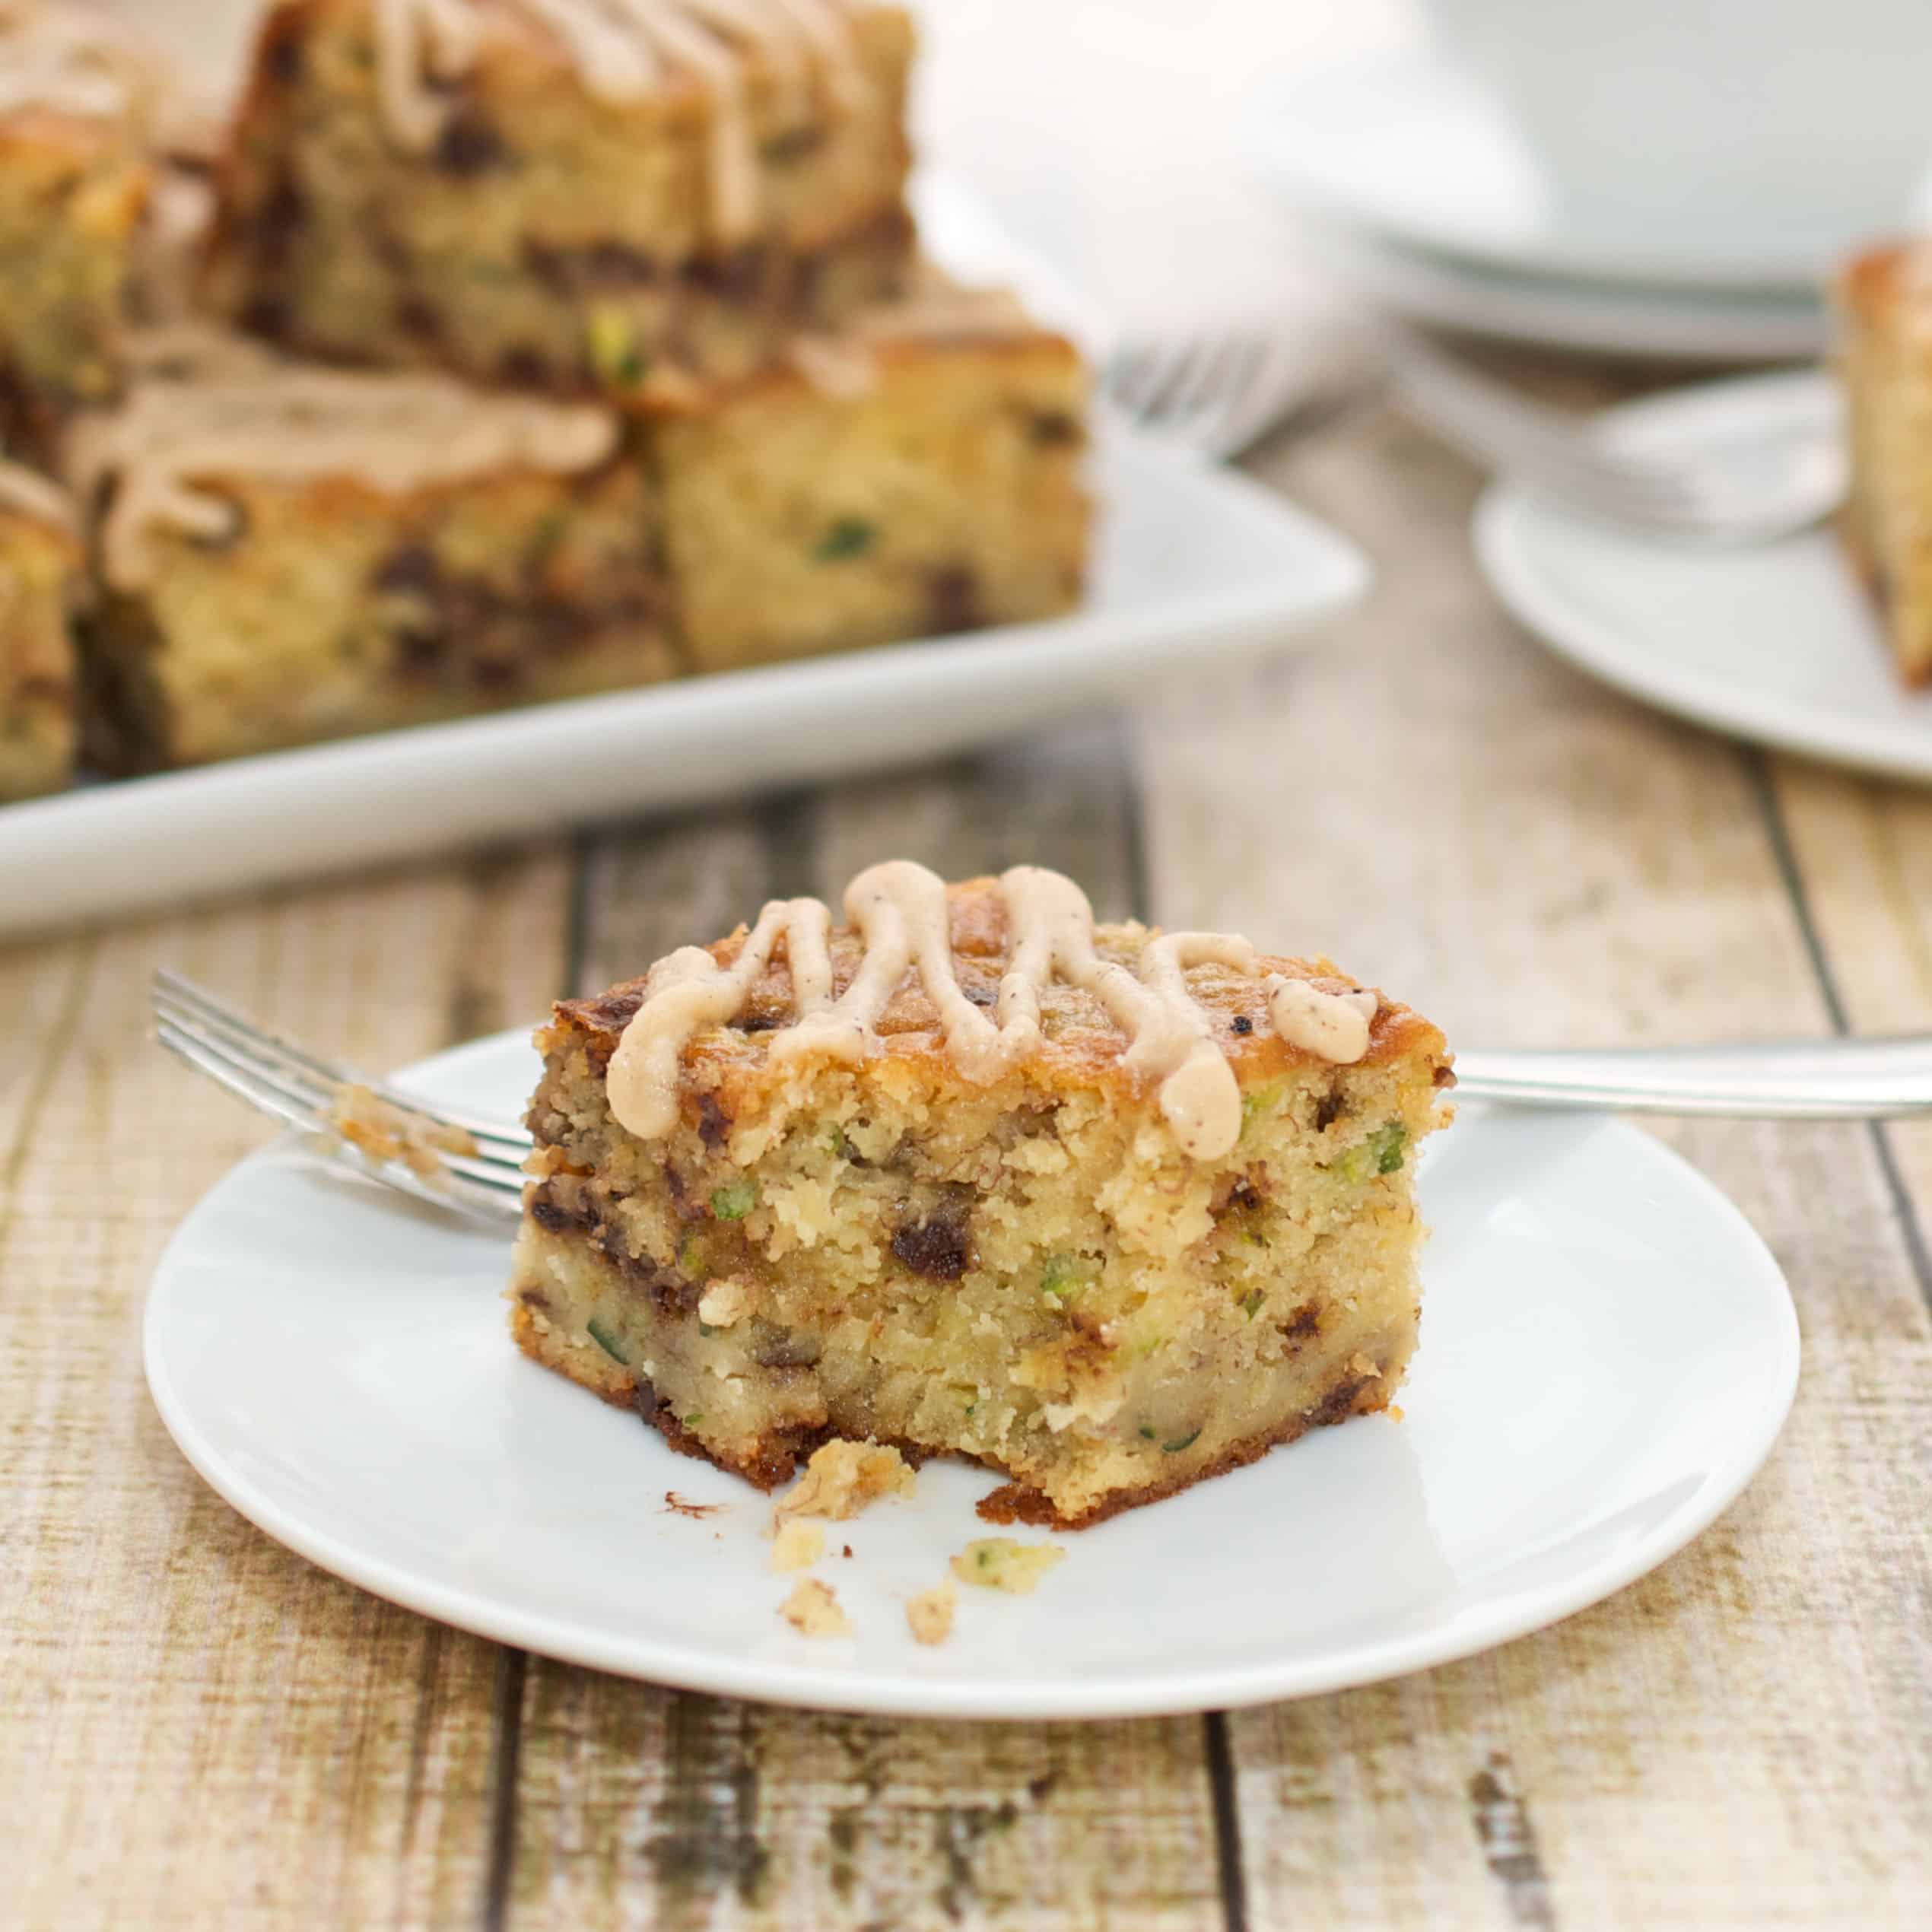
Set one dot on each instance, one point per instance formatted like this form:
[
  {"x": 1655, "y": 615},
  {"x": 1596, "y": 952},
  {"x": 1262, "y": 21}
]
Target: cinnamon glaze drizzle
[
  {"x": 901, "y": 912},
  {"x": 624, "y": 50}
]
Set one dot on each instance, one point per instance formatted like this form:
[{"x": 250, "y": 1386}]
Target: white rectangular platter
[{"x": 1195, "y": 569}]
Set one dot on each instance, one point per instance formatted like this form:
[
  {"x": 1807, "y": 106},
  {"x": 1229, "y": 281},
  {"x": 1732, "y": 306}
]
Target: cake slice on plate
[
  {"x": 1108, "y": 1210},
  {"x": 1885, "y": 309}
]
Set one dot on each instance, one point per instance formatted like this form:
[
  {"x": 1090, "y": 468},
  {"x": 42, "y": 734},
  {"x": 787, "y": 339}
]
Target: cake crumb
[
  {"x": 799, "y": 1546},
  {"x": 726, "y": 1302},
  {"x": 999, "y": 1563},
  {"x": 382, "y": 1131},
  {"x": 930, "y": 1612},
  {"x": 813, "y": 1610},
  {"x": 843, "y": 1477},
  {"x": 846, "y": 1551},
  {"x": 1393, "y": 1412}
]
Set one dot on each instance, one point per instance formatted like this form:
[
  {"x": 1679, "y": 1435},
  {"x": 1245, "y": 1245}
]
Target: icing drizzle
[
  {"x": 901, "y": 912},
  {"x": 210, "y": 405},
  {"x": 624, "y": 50}
]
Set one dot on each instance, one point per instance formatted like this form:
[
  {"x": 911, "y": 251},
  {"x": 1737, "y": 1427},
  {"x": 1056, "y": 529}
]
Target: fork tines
[{"x": 455, "y": 1160}]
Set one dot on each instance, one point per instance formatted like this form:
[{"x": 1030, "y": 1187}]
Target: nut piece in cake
[
  {"x": 565, "y": 194},
  {"x": 814, "y": 1611},
  {"x": 40, "y": 572},
  {"x": 798, "y": 1545},
  {"x": 75, "y": 96},
  {"x": 1884, "y": 311},
  {"x": 1109, "y": 1210},
  {"x": 844, "y": 1478},
  {"x": 929, "y": 1614},
  {"x": 999, "y": 1563},
  {"x": 291, "y": 553},
  {"x": 919, "y": 477}
]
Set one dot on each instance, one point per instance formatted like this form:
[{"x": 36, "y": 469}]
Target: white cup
[{"x": 1802, "y": 119}]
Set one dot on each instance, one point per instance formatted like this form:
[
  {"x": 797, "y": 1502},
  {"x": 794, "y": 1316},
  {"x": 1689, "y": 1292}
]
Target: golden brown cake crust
[{"x": 1082, "y": 1047}]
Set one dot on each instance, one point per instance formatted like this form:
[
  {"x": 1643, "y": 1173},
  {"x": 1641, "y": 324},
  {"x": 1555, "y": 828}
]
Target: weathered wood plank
[
  {"x": 1743, "y": 1737},
  {"x": 640, "y": 1807},
  {"x": 1862, "y": 851},
  {"x": 202, "y": 1728}
]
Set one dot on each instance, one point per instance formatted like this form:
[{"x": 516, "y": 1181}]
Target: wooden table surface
[{"x": 197, "y": 1728}]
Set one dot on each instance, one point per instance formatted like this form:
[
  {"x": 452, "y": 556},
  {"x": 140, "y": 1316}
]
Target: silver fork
[
  {"x": 1219, "y": 393},
  {"x": 479, "y": 1172},
  {"x": 1794, "y": 1079},
  {"x": 1783, "y": 486}
]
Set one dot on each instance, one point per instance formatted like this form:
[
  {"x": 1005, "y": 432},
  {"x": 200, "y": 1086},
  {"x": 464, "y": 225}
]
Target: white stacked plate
[{"x": 1419, "y": 189}]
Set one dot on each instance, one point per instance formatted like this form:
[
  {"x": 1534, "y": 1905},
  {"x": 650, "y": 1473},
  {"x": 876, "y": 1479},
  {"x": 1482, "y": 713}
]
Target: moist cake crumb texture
[
  {"x": 798, "y": 1545},
  {"x": 844, "y": 1478},
  {"x": 999, "y": 1563},
  {"x": 928, "y": 1614},
  {"x": 813, "y": 1610},
  {"x": 984, "y": 1179}
]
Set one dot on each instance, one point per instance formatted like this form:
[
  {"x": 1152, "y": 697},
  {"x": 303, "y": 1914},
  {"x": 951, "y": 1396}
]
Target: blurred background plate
[
  {"x": 1407, "y": 145},
  {"x": 1194, "y": 568},
  {"x": 1777, "y": 644},
  {"x": 1601, "y": 318}
]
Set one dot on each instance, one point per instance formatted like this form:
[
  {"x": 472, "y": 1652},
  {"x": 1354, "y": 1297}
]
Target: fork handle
[{"x": 1794, "y": 1079}]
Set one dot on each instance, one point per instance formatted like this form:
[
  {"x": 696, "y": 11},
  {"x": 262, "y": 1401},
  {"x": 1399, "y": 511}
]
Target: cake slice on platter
[{"x": 1108, "y": 1209}]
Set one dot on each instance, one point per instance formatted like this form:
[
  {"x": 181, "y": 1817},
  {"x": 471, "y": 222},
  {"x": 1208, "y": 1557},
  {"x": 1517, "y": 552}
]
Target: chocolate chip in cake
[
  {"x": 644, "y": 1399},
  {"x": 522, "y": 365},
  {"x": 408, "y": 567},
  {"x": 1328, "y": 1109},
  {"x": 283, "y": 55},
  {"x": 420, "y": 649},
  {"x": 939, "y": 1247},
  {"x": 549, "y": 1215},
  {"x": 283, "y": 214},
  {"x": 420, "y": 318},
  {"x": 1052, "y": 428},
  {"x": 1242, "y": 1024},
  {"x": 713, "y": 1123},
  {"x": 616, "y": 265},
  {"x": 267, "y": 315},
  {"x": 734, "y": 276},
  {"x": 787, "y": 1348},
  {"x": 952, "y": 598},
  {"x": 1305, "y": 1322},
  {"x": 792, "y": 145},
  {"x": 548, "y": 266},
  {"x": 470, "y": 143}
]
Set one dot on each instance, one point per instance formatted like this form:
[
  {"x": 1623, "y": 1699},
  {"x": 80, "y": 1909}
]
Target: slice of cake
[
  {"x": 40, "y": 572},
  {"x": 75, "y": 100},
  {"x": 1885, "y": 309},
  {"x": 1110, "y": 1210},
  {"x": 565, "y": 194},
  {"x": 918, "y": 475},
  {"x": 289, "y": 553}
]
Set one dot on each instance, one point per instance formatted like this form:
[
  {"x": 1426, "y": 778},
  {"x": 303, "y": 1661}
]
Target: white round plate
[
  {"x": 1407, "y": 144},
  {"x": 1607, "y": 1352},
  {"x": 1598, "y": 318},
  {"x": 1776, "y": 642}
]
